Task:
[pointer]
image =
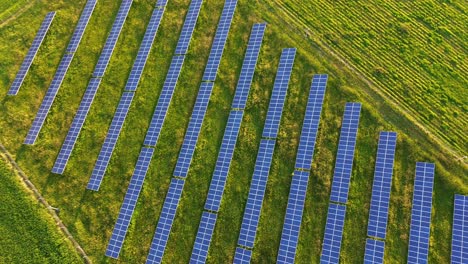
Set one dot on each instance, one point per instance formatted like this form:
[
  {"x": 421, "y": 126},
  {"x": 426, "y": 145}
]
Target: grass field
[
  {"x": 8, "y": 8},
  {"x": 29, "y": 235},
  {"x": 90, "y": 216}
]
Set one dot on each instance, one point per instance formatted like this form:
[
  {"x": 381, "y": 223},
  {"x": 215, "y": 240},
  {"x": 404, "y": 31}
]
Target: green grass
[
  {"x": 90, "y": 216},
  {"x": 29, "y": 235},
  {"x": 9, "y": 8}
]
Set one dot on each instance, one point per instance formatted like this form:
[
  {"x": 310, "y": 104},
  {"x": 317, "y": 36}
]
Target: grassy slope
[
  {"x": 29, "y": 235},
  {"x": 90, "y": 216}
]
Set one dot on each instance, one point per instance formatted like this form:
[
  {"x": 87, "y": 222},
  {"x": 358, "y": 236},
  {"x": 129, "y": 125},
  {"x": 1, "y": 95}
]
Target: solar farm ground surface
[{"x": 90, "y": 216}]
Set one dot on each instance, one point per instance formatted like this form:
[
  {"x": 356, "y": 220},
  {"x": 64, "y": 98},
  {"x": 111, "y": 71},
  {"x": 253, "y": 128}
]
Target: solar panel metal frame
[
  {"x": 375, "y": 250},
  {"x": 421, "y": 213},
  {"x": 110, "y": 141},
  {"x": 219, "y": 41},
  {"x": 75, "y": 128},
  {"x": 278, "y": 97},
  {"x": 459, "y": 253},
  {"x": 81, "y": 26},
  {"x": 129, "y": 203},
  {"x": 27, "y": 62},
  {"x": 163, "y": 230},
  {"x": 333, "y": 234},
  {"x": 112, "y": 39},
  {"x": 160, "y": 112},
  {"x": 188, "y": 27},
  {"x": 48, "y": 100},
  {"x": 203, "y": 238},
  {"x": 345, "y": 154},
  {"x": 242, "y": 256},
  {"x": 380, "y": 201}
]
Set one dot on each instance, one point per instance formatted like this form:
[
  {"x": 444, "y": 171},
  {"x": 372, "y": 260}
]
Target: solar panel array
[
  {"x": 374, "y": 251},
  {"x": 60, "y": 74},
  {"x": 161, "y": 235},
  {"x": 114, "y": 34},
  {"x": 188, "y": 27},
  {"x": 333, "y": 233},
  {"x": 202, "y": 242},
  {"x": 421, "y": 213},
  {"x": 345, "y": 155},
  {"x": 378, "y": 215},
  {"x": 91, "y": 90},
  {"x": 279, "y": 94},
  {"x": 300, "y": 179},
  {"x": 242, "y": 256},
  {"x": 31, "y": 53},
  {"x": 129, "y": 203},
  {"x": 125, "y": 101},
  {"x": 460, "y": 230}
]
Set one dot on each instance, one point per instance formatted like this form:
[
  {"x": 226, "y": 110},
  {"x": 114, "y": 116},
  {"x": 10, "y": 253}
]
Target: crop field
[
  {"x": 414, "y": 52},
  {"x": 90, "y": 216}
]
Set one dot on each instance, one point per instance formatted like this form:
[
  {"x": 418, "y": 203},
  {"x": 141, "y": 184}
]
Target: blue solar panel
[
  {"x": 279, "y": 93},
  {"x": 381, "y": 188},
  {"x": 333, "y": 233},
  {"x": 165, "y": 222},
  {"x": 421, "y": 213},
  {"x": 374, "y": 252},
  {"x": 189, "y": 25},
  {"x": 110, "y": 141},
  {"x": 48, "y": 100},
  {"x": 310, "y": 126},
  {"x": 248, "y": 67},
  {"x": 345, "y": 155},
  {"x": 293, "y": 218},
  {"x": 460, "y": 230},
  {"x": 164, "y": 100},
  {"x": 145, "y": 48},
  {"x": 112, "y": 38},
  {"x": 203, "y": 239},
  {"x": 129, "y": 203},
  {"x": 219, "y": 40},
  {"x": 221, "y": 171},
  {"x": 161, "y": 3},
  {"x": 193, "y": 130},
  {"x": 256, "y": 193},
  {"x": 77, "y": 124},
  {"x": 31, "y": 53},
  {"x": 81, "y": 26},
  {"x": 242, "y": 256}
]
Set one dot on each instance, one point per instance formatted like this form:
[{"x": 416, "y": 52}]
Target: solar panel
[
  {"x": 114, "y": 34},
  {"x": 333, "y": 233},
  {"x": 129, "y": 203},
  {"x": 256, "y": 193},
  {"x": 188, "y": 27},
  {"x": 374, "y": 252},
  {"x": 161, "y": 3},
  {"x": 311, "y": 122},
  {"x": 165, "y": 222},
  {"x": 248, "y": 67},
  {"x": 110, "y": 141},
  {"x": 164, "y": 100},
  {"x": 203, "y": 239},
  {"x": 218, "y": 182},
  {"x": 345, "y": 155},
  {"x": 48, "y": 100},
  {"x": 242, "y": 256},
  {"x": 77, "y": 124},
  {"x": 81, "y": 26},
  {"x": 293, "y": 218},
  {"x": 31, "y": 53},
  {"x": 219, "y": 40},
  {"x": 193, "y": 130},
  {"x": 279, "y": 93},
  {"x": 145, "y": 48},
  {"x": 381, "y": 188},
  {"x": 460, "y": 230},
  {"x": 421, "y": 213}
]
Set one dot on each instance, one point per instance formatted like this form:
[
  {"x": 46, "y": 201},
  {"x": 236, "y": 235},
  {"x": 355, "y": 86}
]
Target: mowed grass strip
[{"x": 90, "y": 216}]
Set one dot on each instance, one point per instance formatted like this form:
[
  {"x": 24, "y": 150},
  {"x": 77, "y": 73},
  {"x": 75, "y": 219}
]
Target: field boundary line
[{"x": 30, "y": 186}]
